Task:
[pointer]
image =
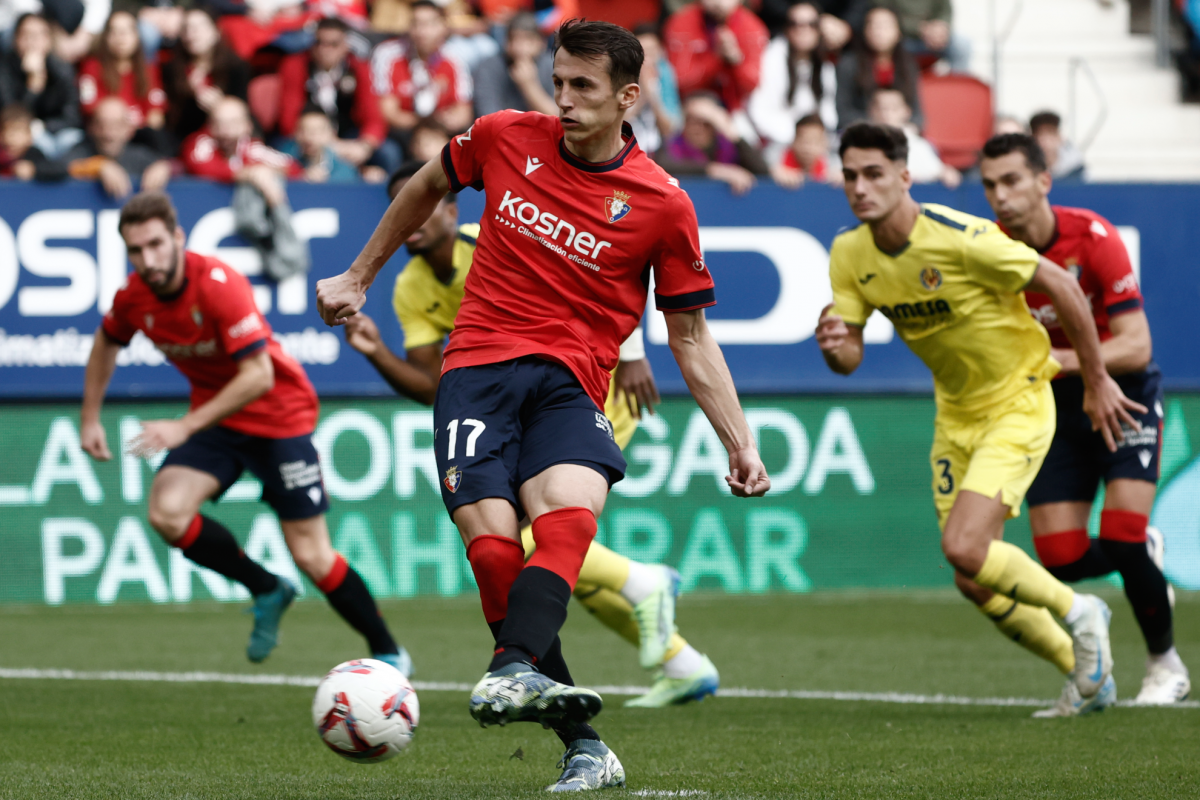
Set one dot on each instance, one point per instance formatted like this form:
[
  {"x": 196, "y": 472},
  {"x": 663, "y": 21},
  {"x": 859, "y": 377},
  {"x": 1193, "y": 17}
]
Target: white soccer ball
[{"x": 366, "y": 710}]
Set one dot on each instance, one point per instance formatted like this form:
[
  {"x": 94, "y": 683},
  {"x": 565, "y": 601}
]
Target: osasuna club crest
[
  {"x": 617, "y": 206},
  {"x": 452, "y": 480}
]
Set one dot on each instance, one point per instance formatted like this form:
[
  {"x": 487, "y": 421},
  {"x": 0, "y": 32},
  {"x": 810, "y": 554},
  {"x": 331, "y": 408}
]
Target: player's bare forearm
[
  {"x": 407, "y": 379},
  {"x": 707, "y": 376},
  {"x": 256, "y": 376},
  {"x": 100, "y": 367},
  {"x": 1128, "y": 350},
  {"x": 412, "y": 206},
  {"x": 1074, "y": 315}
]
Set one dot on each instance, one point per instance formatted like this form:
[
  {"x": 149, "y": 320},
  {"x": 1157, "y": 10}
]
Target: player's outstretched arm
[
  {"x": 100, "y": 367},
  {"x": 707, "y": 376},
  {"x": 417, "y": 377},
  {"x": 342, "y": 296},
  {"x": 1103, "y": 400},
  {"x": 841, "y": 344},
  {"x": 1128, "y": 350}
]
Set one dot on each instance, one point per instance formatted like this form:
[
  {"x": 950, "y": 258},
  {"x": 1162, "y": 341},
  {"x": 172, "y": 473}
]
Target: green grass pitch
[{"x": 132, "y": 740}]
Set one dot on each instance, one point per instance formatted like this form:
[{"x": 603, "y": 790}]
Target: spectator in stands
[
  {"x": 520, "y": 77},
  {"x": 926, "y": 25},
  {"x": 331, "y": 78},
  {"x": 110, "y": 155},
  {"x": 840, "y": 19},
  {"x": 797, "y": 80},
  {"x": 203, "y": 70},
  {"x": 716, "y": 46},
  {"x": 710, "y": 144},
  {"x": 657, "y": 115},
  {"x": 33, "y": 76},
  {"x": 809, "y": 157},
  {"x": 119, "y": 69},
  {"x": 73, "y": 46},
  {"x": 420, "y": 80},
  {"x": 312, "y": 146},
  {"x": 20, "y": 158},
  {"x": 878, "y": 61},
  {"x": 159, "y": 25},
  {"x": 282, "y": 25},
  {"x": 888, "y": 107},
  {"x": 427, "y": 140},
  {"x": 226, "y": 151},
  {"x": 1007, "y": 123},
  {"x": 1063, "y": 159}
]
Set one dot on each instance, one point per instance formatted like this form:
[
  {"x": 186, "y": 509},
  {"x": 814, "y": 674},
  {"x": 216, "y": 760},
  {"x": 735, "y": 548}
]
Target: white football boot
[
  {"x": 588, "y": 764},
  {"x": 1164, "y": 684},
  {"x": 1156, "y": 545},
  {"x": 1072, "y": 704},
  {"x": 1093, "y": 651}
]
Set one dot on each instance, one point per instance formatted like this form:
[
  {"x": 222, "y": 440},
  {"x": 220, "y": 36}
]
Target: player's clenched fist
[
  {"x": 831, "y": 330},
  {"x": 748, "y": 476},
  {"x": 339, "y": 298}
]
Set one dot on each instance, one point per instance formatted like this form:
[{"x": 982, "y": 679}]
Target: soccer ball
[{"x": 365, "y": 710}]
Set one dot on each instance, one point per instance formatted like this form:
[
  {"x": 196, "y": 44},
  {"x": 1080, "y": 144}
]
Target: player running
[
  {"x": 1017, "y": 185},
  {"x": 576, "y": 218},
  {"x": 951, "y": 284},
  {"x": 635, "y": 600},
  {"x": 252, "y": 408}
]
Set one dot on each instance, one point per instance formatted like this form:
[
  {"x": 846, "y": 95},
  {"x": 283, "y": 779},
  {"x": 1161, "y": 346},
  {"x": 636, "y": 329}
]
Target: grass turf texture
[{"x": 92, "y": 739}]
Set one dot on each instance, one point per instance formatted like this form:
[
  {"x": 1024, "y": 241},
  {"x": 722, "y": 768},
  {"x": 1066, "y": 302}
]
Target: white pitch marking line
[
  {"x": 669, "y": 793},
  {"x": 430, "y": 686}
]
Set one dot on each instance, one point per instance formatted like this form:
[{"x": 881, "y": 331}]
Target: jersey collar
[{"x": 604, "y": 166}]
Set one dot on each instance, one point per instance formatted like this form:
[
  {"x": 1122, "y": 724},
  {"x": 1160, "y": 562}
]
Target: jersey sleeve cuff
[
  {"x": 685, "y": 302},
  {"x": 448, "y": 167},
  {"x": 1124, "y": 307},
  {"x": 248, "y": 350}
]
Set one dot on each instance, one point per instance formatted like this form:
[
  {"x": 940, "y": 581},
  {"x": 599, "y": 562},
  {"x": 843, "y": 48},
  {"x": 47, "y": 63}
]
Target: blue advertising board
[{"x": 61, "y": 260}]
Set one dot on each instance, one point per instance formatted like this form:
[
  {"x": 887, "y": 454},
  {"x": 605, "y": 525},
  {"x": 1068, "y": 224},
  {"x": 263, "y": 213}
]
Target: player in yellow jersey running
[
  {"x": 951, "y": 284},
  {"x": 635, "y": 600}
]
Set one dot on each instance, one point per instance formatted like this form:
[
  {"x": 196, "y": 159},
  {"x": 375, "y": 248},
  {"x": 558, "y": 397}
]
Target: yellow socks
[
  {"x": 1010, "y": 572},
  {"x": 604, "y": 568},
  {"x": 610, "y": 608},
  {"x": 1032, "y": 628}
]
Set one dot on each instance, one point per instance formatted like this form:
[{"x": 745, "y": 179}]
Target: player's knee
[
  {"x": 170, "y": 519},
  {"x": 971, "y": 590},
  {"x": 962, "y": 551}
]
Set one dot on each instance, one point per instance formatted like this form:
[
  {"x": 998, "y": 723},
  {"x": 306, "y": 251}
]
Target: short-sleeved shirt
[
  {"x": 567, "y": 248},
  {"x": 424, "y": 305},
  {"x": 92, "y": 90},
  {"x": 953, "y": 293},
  {"x": 421, "y": 86},
  {"x": 205, "y": 329},
  {"x": 1089, "y": 247}
]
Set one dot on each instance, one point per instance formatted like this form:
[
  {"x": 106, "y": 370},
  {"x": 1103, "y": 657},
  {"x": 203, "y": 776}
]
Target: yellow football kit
[
  {"x": 953, "y": 293},
  {"x": 426, "y": 308}
]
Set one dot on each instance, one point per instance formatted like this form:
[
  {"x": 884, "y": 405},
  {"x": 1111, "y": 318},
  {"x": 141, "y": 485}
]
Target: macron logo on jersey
[
  {"x": 533, "y": 165},
  {"x": 547, "y": 224}
]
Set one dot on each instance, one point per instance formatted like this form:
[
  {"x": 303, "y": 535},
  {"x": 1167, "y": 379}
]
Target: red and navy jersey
[
  {"x": 1088, "y": 245},
  {"x": 205, "y": 329},
  {"x": 566, "y": 248}
]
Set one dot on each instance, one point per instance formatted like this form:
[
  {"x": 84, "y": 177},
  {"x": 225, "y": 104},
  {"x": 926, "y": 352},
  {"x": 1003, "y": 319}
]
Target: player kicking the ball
[
  {"x": 252, "y": 409},
  {"x": 1017, "y": 184},
  {"x": 635, "y": 600},
  {"x": 951, "y": 284},
  {"x": 576, "y": 217}
]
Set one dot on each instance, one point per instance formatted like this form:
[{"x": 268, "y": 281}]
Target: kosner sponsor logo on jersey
[{"x": 547, "y": 224}]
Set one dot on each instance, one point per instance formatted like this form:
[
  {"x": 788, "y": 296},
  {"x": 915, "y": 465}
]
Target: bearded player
[
  {"x": 1017, "y": 185},
  {"x": 576, "y": 219},
  {"x": 951, "y": 284},
  {"x": 252, "y": 408},
  {"x": 635, "y": 600}
]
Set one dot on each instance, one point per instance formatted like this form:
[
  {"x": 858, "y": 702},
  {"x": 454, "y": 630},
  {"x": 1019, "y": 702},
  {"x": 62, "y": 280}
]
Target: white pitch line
[{"x": 433, "y": 686}]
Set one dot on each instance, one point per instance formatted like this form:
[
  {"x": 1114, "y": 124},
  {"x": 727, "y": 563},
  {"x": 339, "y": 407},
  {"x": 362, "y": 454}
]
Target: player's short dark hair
[
  {"x": 813, "y": 119},
  {"x": 145, "y": 206},
  {"x": 428, "y": 4},
  {"x": 1045, "y": 119},
  {"x": 332, "y": 24},
  {"x": 1004, "y": 143},
  {"x": 871, "y": 136},
  {"x": 593, "y": 40}
]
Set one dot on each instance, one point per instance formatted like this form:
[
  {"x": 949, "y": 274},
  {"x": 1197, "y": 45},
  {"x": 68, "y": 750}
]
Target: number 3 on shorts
[
  {"x": 945, "y": 483},
  {"x": 452, "y": 428}
]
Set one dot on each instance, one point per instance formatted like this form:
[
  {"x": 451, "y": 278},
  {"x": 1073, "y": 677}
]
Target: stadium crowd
[{"x": 260, "y": 92}]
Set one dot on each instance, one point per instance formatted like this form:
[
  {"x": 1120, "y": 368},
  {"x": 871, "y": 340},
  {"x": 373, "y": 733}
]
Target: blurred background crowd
[{"x": 260, "y": 92}]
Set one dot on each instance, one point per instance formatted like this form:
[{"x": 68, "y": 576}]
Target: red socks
[
  {"x": 337, "y": 574},
  {"x": 563, "y": 537},
  {"x": 1062, "y": 548},
  {"x": 496, "y": 562},
  {"x": 1123, "y": 526}
]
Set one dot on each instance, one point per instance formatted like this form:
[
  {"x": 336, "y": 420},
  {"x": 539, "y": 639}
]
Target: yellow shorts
[
  {"x": 617, "y": 410},
  {"x": 999, "y": 452}
]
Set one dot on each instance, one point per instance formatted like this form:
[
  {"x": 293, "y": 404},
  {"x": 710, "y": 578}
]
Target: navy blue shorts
[
  {"x": 1078, "y": 459},
  {"x": 288, "y": 468},
  {"x": 498, "y": 425}
]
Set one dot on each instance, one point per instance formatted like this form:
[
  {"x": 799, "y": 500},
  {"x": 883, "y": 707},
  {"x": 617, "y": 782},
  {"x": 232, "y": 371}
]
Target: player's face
[
  {"x": 588, "y": 104},
  {"x": 1014, "y": 191},
  {"x": 875, "y": 185},
  {"x": 156, "y": 253}
]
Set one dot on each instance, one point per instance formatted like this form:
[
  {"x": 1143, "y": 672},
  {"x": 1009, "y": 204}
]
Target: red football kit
[
  {"x": 690, "y": 37},
  {"x": 92, "y": 90},
  {"x": 203, "y": 156},
  {"x": 422, "y": 87},
  {"x": 566, "y": 248},
  {"x": 205, "y": 329},
  {"x": 1088, "y": 245}
]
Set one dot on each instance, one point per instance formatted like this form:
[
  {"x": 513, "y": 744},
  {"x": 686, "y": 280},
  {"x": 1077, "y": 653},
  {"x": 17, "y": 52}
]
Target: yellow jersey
[
  {"x": 426, "y": 309},
  {"x": 953, "y": 293},
  {"x": 425, "y": 306}
]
